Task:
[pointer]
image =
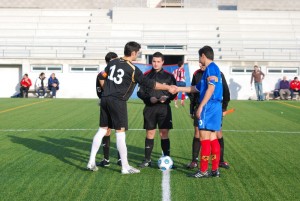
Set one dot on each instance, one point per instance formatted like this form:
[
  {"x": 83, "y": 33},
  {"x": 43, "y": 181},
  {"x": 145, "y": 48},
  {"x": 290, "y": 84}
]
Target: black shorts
[
  {"x": 113, "y": 113},
  {"x": 159, "y": 114}
]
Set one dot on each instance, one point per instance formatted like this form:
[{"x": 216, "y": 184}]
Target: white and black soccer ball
[{"x": 165, "y": 163}]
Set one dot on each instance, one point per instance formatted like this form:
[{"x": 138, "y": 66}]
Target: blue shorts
[{"x": 211, "y": 116}]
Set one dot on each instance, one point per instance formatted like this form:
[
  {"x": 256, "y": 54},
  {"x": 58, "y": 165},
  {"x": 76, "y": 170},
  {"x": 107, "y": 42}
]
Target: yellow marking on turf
[
  {"x": 21, "y": 106},
  {"x": 283, "y": 103}
]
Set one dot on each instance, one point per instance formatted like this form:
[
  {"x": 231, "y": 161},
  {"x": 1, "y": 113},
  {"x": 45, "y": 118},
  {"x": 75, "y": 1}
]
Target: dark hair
[
  {"x": 131, "y": 47},
  {"x": 207, "y": 51},
  {"x": 295, "y": 78},
  {"x": 109, "y": 56},
  {"x": 26, "y": 74},
  {"x": 42, "y": 74},
  {"x": 180, "y": 63},
  {"x": 159, "y": 54}
]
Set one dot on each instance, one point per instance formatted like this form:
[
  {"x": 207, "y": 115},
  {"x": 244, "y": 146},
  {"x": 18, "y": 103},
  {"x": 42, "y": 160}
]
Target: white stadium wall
[{"x": 81, "y": 38}]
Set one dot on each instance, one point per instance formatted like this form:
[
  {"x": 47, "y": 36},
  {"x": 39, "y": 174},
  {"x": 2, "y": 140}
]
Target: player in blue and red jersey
[
  {"x": 194, "y": 104},
  {"x": 209, "y": 112}
]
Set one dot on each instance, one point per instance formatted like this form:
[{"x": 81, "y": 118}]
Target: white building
[{"x": 72, "y": 42}]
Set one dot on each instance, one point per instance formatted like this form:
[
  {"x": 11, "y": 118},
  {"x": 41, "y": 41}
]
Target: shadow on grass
[
  {"x": 59, "y": 151},
  {"x": 136, "y": 155},
  {"x": 70, "y": 150}
]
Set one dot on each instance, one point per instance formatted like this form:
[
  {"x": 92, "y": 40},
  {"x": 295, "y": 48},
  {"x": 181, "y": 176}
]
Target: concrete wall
[{"x": 69, "y": 37}]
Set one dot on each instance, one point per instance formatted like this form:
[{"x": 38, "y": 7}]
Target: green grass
[{"x": 261, "y": 145}]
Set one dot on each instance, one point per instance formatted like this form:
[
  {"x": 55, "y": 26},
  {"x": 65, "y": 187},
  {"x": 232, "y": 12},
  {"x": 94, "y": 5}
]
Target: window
[
  {"x": 84, "y": 68},
  {"x": 241, "y": 70},
  {"x": 77, "y": 69},
  {"x": 166, "y": 47},
  {"x": 283, "y": 70},
  {"x": 274, "y": 71},
  {"x": 290, "y": 71},
  {"x": 38, "y": 68},
  {"x": 46, "y": 68}
]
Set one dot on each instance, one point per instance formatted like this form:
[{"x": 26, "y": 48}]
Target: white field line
[
  {"x": 165, "y": 186},
  {"x": 137, "y": 129}
]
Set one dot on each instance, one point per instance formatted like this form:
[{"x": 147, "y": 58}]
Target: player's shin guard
[
  {"x": 96, "y": 144},
  {"x": 122, "y": 148},
  {"x": 215, "y": 152},
  {"x": 221, "y": 142},
  {"x": 148, "y": 148},
  {"x": 106, "y": 145},
  {"x": 165, "y": 146},
  {"x": 196, "y": 149},
  {"x": 205, "y": 153}
]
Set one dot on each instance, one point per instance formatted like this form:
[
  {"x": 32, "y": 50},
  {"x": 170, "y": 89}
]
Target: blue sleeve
[
  {"x": 49, "y": 82},
  {"x": 198, "y": 85},
  {"x": 212, "y": 76}
]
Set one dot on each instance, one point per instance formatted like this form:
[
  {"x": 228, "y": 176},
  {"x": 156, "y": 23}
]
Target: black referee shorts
[
  {"x": 159, "y": 114},
  {"x": 113, "y": 113}
]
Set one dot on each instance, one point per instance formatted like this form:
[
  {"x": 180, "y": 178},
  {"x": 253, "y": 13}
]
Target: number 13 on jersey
[{"x": 118, "y": 79}]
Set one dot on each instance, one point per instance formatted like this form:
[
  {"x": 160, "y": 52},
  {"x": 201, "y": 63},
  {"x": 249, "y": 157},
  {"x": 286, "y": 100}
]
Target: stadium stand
[
  {"x": 39, "y": 33},
  {"x": 34, "y": 33}
]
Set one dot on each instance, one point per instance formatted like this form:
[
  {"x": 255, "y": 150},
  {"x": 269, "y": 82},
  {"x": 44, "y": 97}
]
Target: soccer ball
[{"x": 165, "y": 163}]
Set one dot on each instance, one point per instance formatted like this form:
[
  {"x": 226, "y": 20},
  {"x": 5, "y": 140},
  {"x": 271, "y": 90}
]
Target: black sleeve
[
  {"x": 143, "y": 80},
  {"x": 143, "y": 95},
  {"x": 103, "y": 74},
  {"x": 98, "y": 87},
  {"x": 192, "y": 96},
  {"x": 226, "y": 93},
  {"x": 173, "y": 82}
]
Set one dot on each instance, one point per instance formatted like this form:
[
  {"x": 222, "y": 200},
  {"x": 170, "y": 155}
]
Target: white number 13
[{"x": 119, "y": 78}]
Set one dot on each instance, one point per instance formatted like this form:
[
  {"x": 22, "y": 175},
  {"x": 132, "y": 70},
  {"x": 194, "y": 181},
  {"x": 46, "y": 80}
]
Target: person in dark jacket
[
  {"x": 194, "y": 98},
  {"x": 53, "y": 85},
  {"x": 157, "y": 109},
  {"x": 284, "y": 89}
]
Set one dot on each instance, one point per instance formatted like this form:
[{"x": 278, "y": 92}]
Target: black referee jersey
[{"x": 162, "y": 77}]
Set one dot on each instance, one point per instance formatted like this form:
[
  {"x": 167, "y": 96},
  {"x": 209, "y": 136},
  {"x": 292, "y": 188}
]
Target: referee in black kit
[{"x": 157, "y": 109}]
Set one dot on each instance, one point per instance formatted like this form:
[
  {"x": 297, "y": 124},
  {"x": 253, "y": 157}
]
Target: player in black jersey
[
  {"x": 157, "y": 110},
  {"x": 121, "y": 79},
  {"x": 106, "y": 139},
  {"x": 194, "y": 104}
]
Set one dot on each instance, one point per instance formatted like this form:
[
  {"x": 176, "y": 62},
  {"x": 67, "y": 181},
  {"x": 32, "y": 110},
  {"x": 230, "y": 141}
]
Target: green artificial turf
[{"x": 45, "y": 144}]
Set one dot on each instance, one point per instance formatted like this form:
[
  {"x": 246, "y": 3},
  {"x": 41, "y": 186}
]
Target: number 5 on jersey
[{"x": 119, "y": 77}]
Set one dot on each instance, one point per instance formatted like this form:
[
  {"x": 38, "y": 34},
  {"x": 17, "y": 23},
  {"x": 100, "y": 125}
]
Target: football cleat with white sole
[
  {"x": 215, "y": 173},
  {"x": 103, "y": 163},
  {"x": 224, "y": 165},
  {"x": 130, "y": 170},
  {"x": 145, "y": 163},
  {"x": 192, "y": 165},
  {"x": 200, "y": 174},
  {"x": 91, "y": 167}
]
